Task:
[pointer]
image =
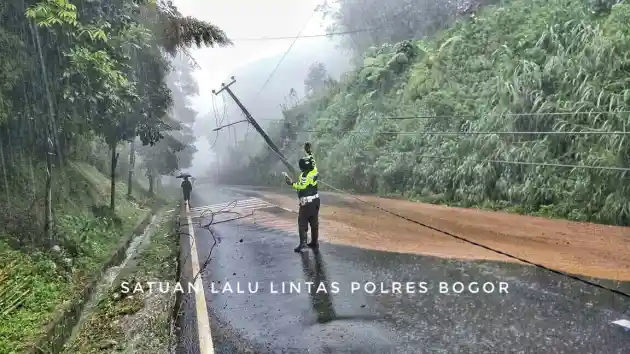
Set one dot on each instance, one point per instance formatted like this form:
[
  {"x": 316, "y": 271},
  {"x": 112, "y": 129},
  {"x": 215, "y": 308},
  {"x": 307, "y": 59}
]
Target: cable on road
[
  {"x": 475, "y": 243},
  {"x": 207, "y": 226}
]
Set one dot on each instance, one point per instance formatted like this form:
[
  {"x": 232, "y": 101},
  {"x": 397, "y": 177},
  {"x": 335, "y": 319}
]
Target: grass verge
[
  {"x": 138, "y": 322},
  {"x": 39, "y": 285}
]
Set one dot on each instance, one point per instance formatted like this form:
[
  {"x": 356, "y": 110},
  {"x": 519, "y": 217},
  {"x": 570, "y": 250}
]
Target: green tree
[
  {"x": 124, "y": 109},
  {"x": 316, "y": 79},
  {"x": 160, "y": 159}
]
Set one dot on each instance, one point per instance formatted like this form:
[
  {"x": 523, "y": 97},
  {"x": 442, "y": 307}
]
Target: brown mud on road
[{"x": 587, "y": 249}]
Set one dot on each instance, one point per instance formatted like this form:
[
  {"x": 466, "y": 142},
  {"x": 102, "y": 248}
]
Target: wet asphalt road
[{"x": 540, "y": 313}]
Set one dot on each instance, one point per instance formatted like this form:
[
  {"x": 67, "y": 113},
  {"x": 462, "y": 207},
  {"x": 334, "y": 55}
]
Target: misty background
[
  {"x": 268, "y": 65},
  {"x": 251, "y": 61}
]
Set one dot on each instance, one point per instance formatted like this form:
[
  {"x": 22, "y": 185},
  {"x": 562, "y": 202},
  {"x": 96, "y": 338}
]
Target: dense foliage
[
  {"x": 549, "y": 69},
  {"x": 83, "y": 84},
  {"x": 83, "y": 76}
]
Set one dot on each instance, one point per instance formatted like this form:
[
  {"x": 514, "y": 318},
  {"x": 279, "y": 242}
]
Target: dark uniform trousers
[{"x": 309, "y": 215}]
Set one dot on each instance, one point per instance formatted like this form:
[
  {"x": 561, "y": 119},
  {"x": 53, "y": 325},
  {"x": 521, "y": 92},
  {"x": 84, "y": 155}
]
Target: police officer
[{"x": 306, "y": 187}]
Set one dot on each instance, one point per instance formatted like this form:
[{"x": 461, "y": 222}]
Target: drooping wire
[
  {"x": 474, "y": 243},
  {"x": 445, "y": 133},
  {"x": 331, "y": 34},
  {"x": 495, "y": 161},
  {"x": 208, "y": 226},
  {"x": 216, "y": 117},
  {"x": 540, "y": 115},
  {"x": 528, "y": 163},
  {"x": 286, "y": 53}
]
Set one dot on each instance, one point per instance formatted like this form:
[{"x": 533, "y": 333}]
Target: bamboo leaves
[
  {"x": 532, "y": 66},
  {"x": 13, "y": 291}
]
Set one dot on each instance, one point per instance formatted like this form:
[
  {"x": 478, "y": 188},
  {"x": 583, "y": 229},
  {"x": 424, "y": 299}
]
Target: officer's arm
[{"x": 310, "y": 157}]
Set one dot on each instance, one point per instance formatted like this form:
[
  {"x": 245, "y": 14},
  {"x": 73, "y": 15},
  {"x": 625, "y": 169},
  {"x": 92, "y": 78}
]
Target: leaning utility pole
[{"x": 251, "y": 120}]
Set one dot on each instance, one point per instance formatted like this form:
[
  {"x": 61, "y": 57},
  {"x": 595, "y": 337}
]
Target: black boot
[
  {"x": 314, "y": 237},
  {"x": 302, "y": 244}
]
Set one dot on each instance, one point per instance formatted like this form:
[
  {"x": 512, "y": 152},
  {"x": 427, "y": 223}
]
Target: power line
[
  {"x": 216, "y": 118},
  {"x": 550, "y": 114},
  {"x": 280, "y": 62},
  {"x": 475, "y": 133},
  {"x": 461, "y": 238},
  {"x": 331, "y": 34},
  {"x": 475, "y": 243},
  {"x": 529, "y": 163},
  {"x": 514, "y": 257},
  {"x": 285, "y": 54}
]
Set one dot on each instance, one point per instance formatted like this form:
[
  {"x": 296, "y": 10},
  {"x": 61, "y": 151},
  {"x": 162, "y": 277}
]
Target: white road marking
[
  {"x": 247, "y": 206},
  {"x": 203, "y": 322},
  {"x": 622, "y": 323},
  {"x": 239, "y": 203}
]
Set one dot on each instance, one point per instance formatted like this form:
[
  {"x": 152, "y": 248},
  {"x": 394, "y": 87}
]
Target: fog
[
  {"x": 268, "y": 64},
  {"x": 251, "y": 60}
]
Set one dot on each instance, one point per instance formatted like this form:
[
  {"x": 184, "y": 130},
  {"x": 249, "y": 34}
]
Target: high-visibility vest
[{"x": 306, "y": 185}]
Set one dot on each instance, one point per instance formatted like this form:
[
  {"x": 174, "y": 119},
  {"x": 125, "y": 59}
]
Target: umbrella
[{"x": 184, "y": 175}]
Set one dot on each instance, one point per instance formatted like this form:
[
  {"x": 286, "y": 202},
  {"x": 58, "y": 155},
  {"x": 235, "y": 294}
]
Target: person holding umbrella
[{"x": 186, "y": 187}]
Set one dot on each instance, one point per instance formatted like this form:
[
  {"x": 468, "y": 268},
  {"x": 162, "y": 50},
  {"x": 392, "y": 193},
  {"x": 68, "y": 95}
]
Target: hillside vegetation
[
  {"x": 84, "y": 86},
  {"x": 37, "y": 285},
  {"x": 427, "y": 119}
]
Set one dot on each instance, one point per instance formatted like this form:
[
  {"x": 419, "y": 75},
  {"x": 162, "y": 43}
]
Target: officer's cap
[{"x": 305, "y": 163}]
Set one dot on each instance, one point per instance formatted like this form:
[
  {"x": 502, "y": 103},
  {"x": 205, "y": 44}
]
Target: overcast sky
[{"x": 243, "y": 19}]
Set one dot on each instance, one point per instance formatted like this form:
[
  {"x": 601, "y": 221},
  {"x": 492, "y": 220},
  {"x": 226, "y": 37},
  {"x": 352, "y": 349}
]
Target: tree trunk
[
  {"x": 48, "y": 223},
  {"x": 5, "y": 177},
  {"x": 114, "y": 162},
  {"x": 132, "y": 162},
  {"x": 151, "y": 184},
  {"x": 50, "y": 133},
  {"x": 158, "y": 184}
]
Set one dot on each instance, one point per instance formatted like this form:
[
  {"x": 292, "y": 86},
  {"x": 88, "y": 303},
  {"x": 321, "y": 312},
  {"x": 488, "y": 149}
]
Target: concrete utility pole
[{"x": 253, "y": 122}]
